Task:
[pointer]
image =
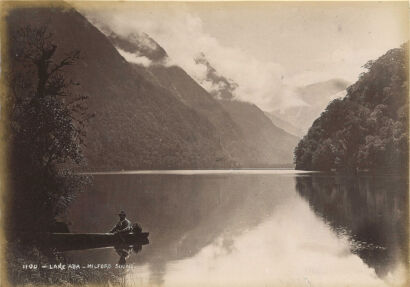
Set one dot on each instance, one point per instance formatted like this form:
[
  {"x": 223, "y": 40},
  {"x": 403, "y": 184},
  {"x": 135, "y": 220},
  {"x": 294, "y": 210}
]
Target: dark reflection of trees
[
  {"x": 182, "y": 213},
  {"x": 372, "y": 209}
]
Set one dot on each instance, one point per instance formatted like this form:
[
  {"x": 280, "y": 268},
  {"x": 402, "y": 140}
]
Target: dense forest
[{"x": 368, "y": 128}]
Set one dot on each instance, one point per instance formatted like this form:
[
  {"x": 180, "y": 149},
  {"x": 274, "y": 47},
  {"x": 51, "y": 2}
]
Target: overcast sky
[{"x": 269, "y": 49}]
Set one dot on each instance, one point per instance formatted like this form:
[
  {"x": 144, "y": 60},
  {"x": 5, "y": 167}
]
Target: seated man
[
  {"x": 123, "y": 225},
  {"x": 123, "y": 249}
]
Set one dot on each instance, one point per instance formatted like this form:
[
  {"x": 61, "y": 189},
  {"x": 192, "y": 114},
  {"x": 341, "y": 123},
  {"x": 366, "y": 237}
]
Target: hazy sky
[{"x": 269, "y": 49}]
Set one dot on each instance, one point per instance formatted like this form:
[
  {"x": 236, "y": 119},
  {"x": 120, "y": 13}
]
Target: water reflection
[
  {"x": 282, "y": 251},
  {"x": 182, "y": 213},
  {"x": 226, "y": 229},
  {"x": 372, "y": 210}
]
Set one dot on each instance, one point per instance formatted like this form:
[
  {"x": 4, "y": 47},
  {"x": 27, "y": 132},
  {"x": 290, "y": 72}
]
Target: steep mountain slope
[
  {"x": 244, "y": 131},
  {"x": 138, "y": 124},
  {"x": 367, "y": 129},
  {"x": 193, "y": 95},
  {"x": 284, "y": 125},
  {"x": 149, "y": 115},
  {"x": 267, "y": 142}
]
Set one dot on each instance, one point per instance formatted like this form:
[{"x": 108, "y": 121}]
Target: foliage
[
  {"x": 46, "y": 129},
  {"x": 367, "y": 129}
]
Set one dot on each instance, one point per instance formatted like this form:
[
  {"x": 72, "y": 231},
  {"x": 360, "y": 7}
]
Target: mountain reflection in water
[{"x": 218, "y": 229}]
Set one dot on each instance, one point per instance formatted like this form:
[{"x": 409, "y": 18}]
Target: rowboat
[{"x": 81, "y": 241}]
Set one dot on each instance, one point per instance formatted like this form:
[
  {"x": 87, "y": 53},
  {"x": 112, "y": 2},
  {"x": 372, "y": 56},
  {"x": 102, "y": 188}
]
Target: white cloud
[
  {"x": 312, "y": 43},
  {"x": 182, "y": 35},
  {"x": 134, "y": 58}
]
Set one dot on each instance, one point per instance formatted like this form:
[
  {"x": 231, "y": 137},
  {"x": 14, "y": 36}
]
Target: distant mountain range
[
  {"x": 297, "y": 120},
  {"x": 150, "y": 115}
]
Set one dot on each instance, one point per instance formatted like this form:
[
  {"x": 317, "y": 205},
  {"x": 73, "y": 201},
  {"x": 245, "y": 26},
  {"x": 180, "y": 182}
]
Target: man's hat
[{"x": 121, "y": 213}]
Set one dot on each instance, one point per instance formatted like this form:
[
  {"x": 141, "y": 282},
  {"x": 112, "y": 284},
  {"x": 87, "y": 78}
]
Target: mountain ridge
[
  {"x": 234, "y": 136},
  {"x": 154, "y": 117},
  {"x": 137, "y": 124}
]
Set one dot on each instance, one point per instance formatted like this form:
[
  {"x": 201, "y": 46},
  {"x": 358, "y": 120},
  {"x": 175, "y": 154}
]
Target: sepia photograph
[{"x": 204, "y": 144}]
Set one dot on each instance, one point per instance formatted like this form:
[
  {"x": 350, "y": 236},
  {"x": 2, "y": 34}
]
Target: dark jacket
[{"x": 122, "y": 225}]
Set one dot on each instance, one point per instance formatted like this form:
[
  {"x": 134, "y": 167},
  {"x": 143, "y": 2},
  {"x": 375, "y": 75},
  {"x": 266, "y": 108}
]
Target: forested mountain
[
  {"x": 183, "y": 87},
  {"x": 244, "y": 131},
  {"x": 137, "y": 124},
  {"x": 368, "y": 128},
  {"x": 146, "y": 117}
]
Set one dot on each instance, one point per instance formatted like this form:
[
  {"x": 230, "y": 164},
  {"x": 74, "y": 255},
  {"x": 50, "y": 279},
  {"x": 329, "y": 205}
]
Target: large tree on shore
[{"x": 46, "y": 124}]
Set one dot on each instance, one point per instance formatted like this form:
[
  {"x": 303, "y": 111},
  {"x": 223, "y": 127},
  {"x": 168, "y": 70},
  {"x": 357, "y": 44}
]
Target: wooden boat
[{"x": 81, "y": 241}]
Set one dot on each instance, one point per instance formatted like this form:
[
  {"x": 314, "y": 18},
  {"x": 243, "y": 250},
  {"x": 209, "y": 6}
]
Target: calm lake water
[{"x": 252, "y": 228}]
